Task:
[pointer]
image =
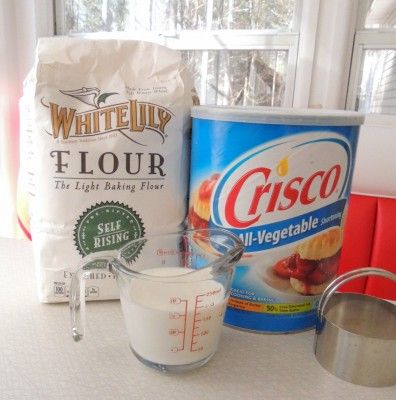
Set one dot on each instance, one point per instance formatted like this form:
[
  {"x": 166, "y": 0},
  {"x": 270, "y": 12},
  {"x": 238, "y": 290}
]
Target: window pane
[
  {"x": 166, "y": 15},
  {"x": 234, "y": 77},
  {"x": 377, "y": 90},
  {"x": 253, "y": 14},
  {"x": 382, "y": 14},
  {"x": 81, "y": 16}
]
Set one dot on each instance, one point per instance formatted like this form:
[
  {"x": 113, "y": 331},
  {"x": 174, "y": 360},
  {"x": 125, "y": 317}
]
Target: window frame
[
  {"x": 243, "y": 40},
  {"x": 299, "y": 40},
  {"x": 369, "y": 39},
  {"x": 44, "y": 14},
  {"x": 376, "y": 139}
]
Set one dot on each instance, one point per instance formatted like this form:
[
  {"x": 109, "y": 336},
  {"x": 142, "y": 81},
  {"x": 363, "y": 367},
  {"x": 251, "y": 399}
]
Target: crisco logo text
[{"x": 270, "y": 194}]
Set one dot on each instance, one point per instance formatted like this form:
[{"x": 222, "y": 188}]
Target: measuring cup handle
[
  {"x": 77, "y": 290},
  {"x": 344, "y": 278}
]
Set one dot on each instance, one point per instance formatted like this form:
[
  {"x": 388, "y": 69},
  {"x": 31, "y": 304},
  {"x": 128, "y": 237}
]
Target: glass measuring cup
[{"x": 173, "y": 290}]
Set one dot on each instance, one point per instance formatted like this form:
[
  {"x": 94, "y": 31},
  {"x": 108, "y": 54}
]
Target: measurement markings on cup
[
  {"x": 197, "y": 318},
  {"x": 177, "y": 315},
  {"x": 204, "y": 311}
]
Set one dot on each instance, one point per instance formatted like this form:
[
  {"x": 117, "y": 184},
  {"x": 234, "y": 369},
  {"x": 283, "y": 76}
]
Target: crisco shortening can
[{"x": 280, "y": 179}]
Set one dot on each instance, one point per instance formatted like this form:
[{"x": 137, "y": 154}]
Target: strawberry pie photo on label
[
  {"x": 313, "y": 264},
  {"x": 200, "y": 212}
]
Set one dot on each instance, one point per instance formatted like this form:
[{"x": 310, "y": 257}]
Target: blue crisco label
[{"x": 283, "y": 190}]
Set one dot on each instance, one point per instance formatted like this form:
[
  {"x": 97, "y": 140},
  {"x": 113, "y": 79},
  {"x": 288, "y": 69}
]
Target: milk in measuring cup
[{"x": 173, "y": 323}]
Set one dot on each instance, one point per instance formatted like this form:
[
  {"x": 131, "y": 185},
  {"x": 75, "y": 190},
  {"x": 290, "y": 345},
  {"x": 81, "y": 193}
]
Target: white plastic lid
[{"x": 277, "y": 115}]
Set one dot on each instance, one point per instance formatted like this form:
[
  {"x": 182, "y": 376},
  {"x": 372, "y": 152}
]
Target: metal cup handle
[{"x": 344, "y": 278}]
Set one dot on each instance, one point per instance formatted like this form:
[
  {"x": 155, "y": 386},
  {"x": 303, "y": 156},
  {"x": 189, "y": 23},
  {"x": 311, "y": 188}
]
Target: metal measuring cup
[{"x": 356, "y": 334}]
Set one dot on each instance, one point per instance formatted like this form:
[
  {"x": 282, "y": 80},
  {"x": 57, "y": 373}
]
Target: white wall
[
  {"x": 375, "y": 169},
  {"x": 18, "y": 33},
  {"x": 10, "y": 90}
]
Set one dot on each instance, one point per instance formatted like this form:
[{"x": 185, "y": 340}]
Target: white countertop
[{"x": 39, "y": 360}]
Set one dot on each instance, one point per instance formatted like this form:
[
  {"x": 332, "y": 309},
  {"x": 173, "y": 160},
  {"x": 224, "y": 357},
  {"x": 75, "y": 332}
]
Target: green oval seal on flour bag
[{"x": 107, "y": 226}]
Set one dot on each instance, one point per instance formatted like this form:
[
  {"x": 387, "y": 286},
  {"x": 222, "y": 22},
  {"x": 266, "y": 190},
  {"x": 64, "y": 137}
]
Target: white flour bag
[{"x": 111, "y": 123}]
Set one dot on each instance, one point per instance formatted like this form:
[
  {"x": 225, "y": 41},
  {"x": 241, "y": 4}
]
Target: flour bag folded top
[{"x": 111, "y": 123}]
